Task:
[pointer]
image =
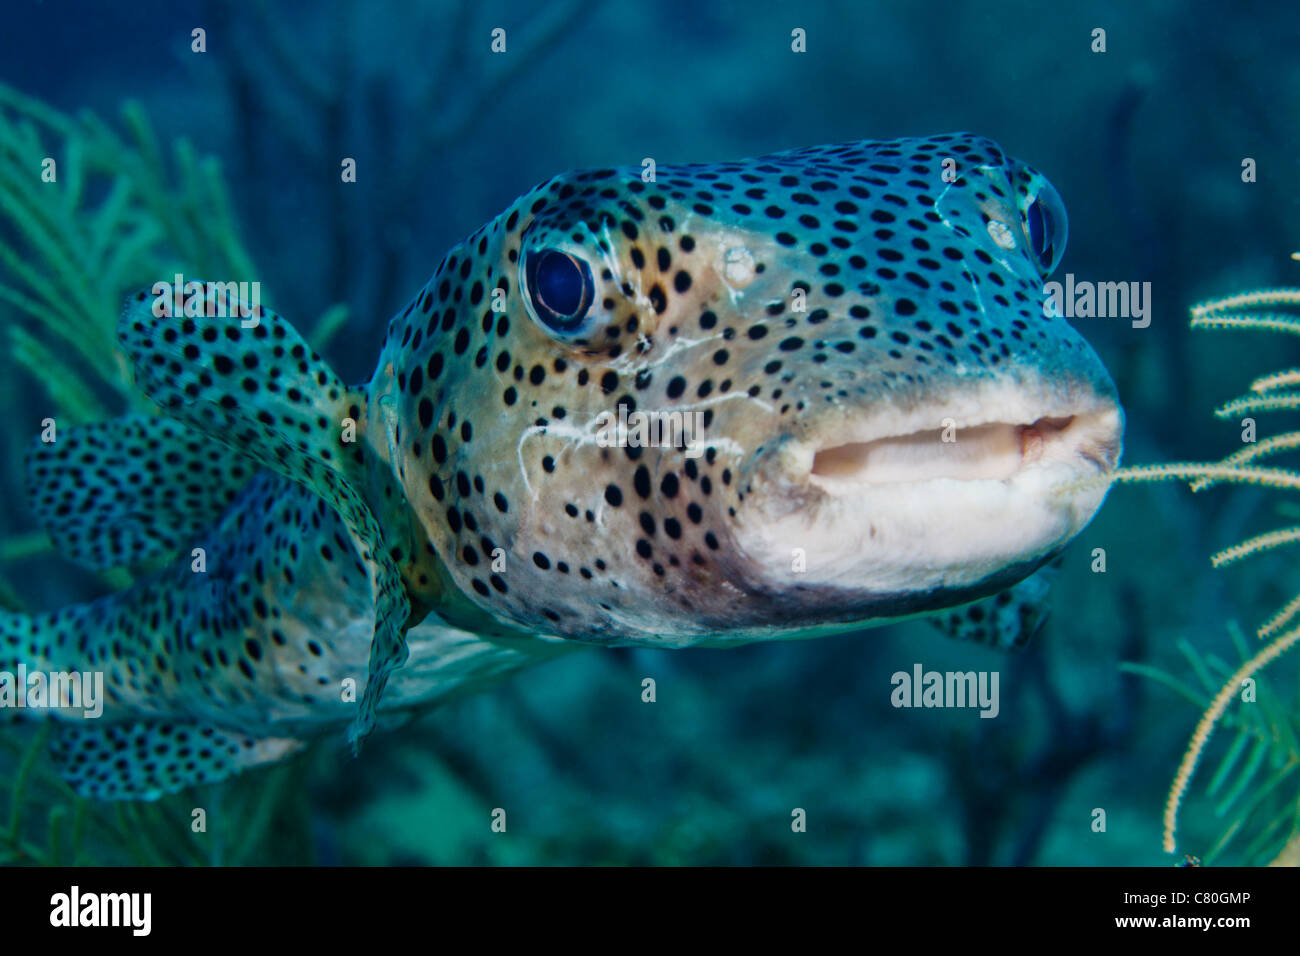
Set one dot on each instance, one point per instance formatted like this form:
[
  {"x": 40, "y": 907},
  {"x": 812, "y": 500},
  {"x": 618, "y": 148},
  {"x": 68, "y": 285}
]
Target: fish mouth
[
  {"x": 990, "y": 451},
  {"x": 939, "y": 495}
]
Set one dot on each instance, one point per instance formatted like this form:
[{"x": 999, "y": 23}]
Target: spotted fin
[
  {"x": 260, "y": 388},
  {"x": 135, "y": 488},
  {"x": 142, "y": 760},
  {"x": 1009, "y": 619}
]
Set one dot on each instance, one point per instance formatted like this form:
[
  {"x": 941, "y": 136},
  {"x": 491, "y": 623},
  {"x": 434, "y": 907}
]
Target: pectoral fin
[
  {"x": 245, "y": 376},
  {"x": 1007, "y": 620}
]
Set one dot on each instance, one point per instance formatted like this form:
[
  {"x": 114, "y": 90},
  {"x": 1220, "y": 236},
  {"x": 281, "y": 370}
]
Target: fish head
[{"x": 713, "y": 403}]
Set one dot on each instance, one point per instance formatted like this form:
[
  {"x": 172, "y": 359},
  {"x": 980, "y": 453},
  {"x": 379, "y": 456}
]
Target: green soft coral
[{"x": 114, "y": 216}]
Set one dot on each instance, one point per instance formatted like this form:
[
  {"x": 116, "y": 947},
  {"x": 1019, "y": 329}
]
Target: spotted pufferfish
[{"x": 891, "y": 426}]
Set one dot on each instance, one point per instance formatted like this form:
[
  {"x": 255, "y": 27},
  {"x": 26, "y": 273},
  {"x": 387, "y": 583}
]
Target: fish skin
[{"x": 476, "y": 526}]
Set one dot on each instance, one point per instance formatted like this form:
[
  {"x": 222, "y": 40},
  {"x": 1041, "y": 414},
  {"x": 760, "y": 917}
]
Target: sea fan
[
  {"x": 111, "y": 215},
  {"x": 1272, "y": 730}
]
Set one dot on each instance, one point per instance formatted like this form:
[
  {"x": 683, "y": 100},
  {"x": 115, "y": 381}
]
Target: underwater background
[{"x": 227, "y": 162}]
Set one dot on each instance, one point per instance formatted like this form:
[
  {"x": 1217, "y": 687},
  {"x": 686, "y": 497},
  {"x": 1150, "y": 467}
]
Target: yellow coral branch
[
  {"x": 1263, "y": 542},
  {"x": 1280, "y": 619},
  {"x": 1266, "y": 322},
  {"x": 1266, "y": 383},
  {"x": 1248, "y": 300},
  {"x": 1258, "y": 403},
  {"x": 1205, "y": 728},
  {"x": 1260, "y": 449},
  {"x": 1215, "y": 471},
  {"x": 1252, "y": 310}
]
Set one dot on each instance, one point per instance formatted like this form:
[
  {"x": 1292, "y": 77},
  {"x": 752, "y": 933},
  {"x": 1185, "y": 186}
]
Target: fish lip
[
  {"x": 897, "y": 528},
  {"x": 990, "y": 443},
  {"x": 1089, "y": 420}
]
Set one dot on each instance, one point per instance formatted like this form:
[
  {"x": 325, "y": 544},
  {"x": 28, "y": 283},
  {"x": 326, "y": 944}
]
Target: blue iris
[{"x": 561, "y": 288}]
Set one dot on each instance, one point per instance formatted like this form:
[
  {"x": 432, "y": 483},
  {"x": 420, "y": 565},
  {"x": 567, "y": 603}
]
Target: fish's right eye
[{"x": 560, "y": 290}]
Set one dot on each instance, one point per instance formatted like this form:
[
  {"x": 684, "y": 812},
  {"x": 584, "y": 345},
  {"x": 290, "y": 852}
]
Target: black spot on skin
[
  {"x": 641, "y": 481},
  {"x": 658, "y": 299}
]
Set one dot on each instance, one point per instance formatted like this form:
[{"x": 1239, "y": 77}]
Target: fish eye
[
  {"x": 1040, "y": 226},
  {"x": 1046, "y": 227},
  {"x": 560, "y": 290}
]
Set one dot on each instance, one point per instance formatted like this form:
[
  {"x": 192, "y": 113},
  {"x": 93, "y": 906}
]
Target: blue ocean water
[{"x": 1173, "y": 150}]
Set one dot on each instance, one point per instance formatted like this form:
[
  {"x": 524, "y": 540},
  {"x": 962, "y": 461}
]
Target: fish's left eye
[
  {"x": 560, "y": 290},
  {"x": 1046, "y": 227},
  {"x": 1040, "y": 229}
]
